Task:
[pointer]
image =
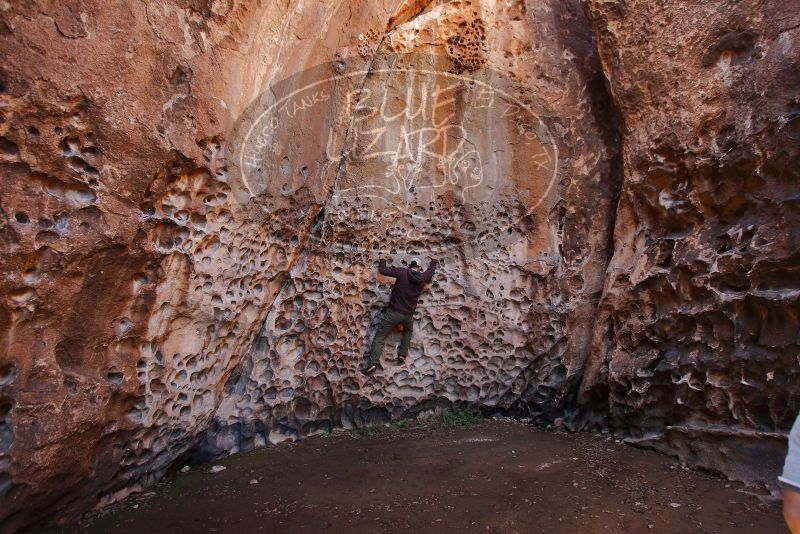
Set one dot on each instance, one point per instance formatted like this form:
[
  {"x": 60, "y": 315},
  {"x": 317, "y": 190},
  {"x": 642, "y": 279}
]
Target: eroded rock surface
[
  {"x": 696, "y": 346},
  {"x": 151, "y": 301},
  {"x": 158, "y": 301},
  {"x": 505, "y": 323}
]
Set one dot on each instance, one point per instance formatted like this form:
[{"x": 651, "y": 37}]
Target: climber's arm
[
  {"x": 427, "y": 276},
  {"x": 386, "y": 270},
  {"x": 791, "y": 510}
]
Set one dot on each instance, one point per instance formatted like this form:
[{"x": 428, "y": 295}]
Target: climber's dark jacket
[{"x": 408, "y": 286}]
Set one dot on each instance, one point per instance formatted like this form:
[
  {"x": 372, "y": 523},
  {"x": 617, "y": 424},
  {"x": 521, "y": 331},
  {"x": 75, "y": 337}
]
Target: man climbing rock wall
[{"x": 151, "y": 301}]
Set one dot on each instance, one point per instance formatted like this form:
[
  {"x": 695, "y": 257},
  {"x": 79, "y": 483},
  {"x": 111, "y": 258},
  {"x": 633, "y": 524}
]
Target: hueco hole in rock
[{"x": 399, "y": 266}]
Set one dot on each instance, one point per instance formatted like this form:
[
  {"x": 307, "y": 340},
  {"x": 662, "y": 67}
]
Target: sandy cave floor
[{"x": 496, "y": 476}]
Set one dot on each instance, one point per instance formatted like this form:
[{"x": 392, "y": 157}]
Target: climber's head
[{"x": 415, "y": 264}]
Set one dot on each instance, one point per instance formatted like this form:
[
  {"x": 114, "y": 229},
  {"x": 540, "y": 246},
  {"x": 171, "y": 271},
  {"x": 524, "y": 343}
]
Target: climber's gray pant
[
  {"x": 389, "y": 319},
  {"x": 791, "y": 468}
]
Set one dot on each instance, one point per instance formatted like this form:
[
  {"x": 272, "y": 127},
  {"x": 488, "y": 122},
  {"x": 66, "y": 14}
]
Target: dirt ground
[{"x": 497, "y": 476}]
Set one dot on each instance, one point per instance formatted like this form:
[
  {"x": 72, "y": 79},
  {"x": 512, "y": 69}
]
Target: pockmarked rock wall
[
  {"x": 120, "y": 240},
  {"x": 153, "y": 299},
  {"x": 696, "y": 346},
  {"x": 195, "y": 195},
  {"x": 472, "y": 137}
]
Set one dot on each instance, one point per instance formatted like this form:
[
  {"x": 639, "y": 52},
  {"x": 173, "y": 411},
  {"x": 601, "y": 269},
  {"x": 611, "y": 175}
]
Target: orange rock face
[{"x": 195, "y": 195}]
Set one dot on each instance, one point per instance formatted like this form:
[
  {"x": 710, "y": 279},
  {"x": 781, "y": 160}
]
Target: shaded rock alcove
[{"x": 619, "y": 228}]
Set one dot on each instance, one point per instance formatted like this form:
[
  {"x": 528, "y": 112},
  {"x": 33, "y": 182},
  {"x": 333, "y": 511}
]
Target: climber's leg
[
  {"x": 408, "y": 331},
  {"x": 388, "y": 320}
]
